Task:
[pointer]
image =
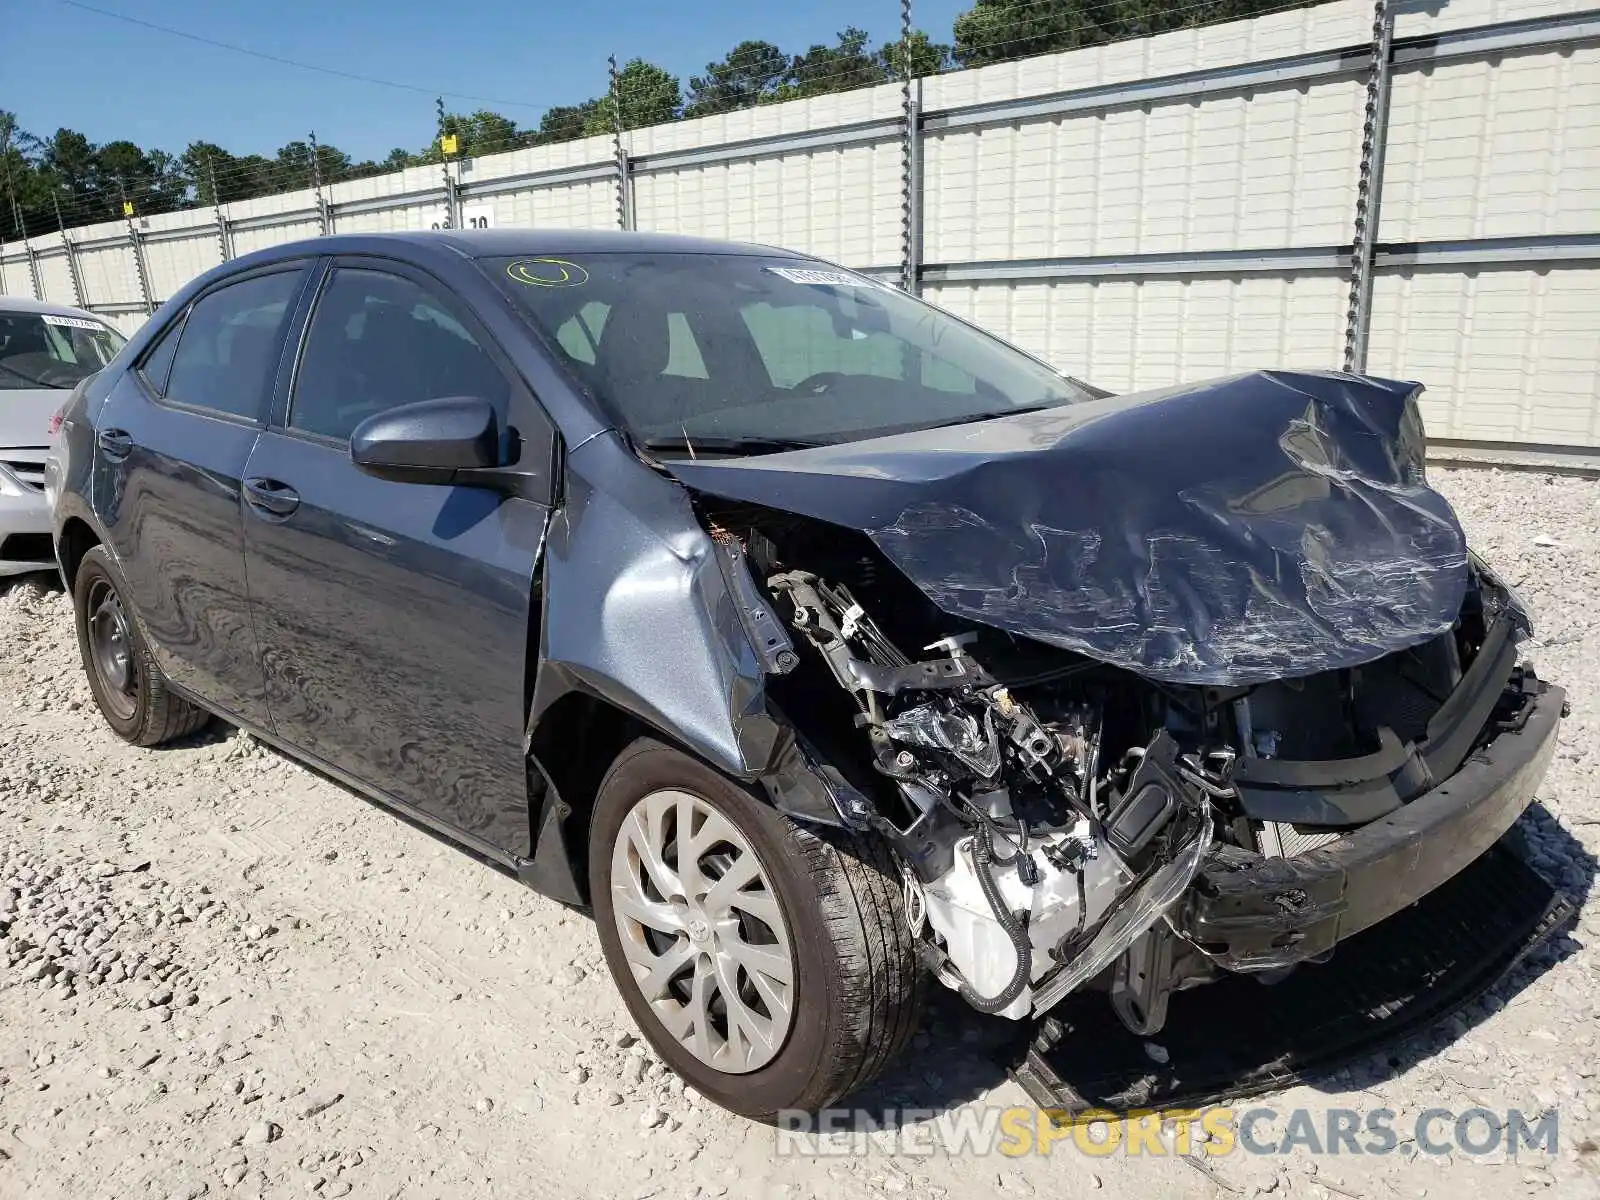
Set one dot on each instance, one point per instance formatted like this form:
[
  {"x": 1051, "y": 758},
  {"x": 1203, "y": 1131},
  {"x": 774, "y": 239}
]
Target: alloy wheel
[{"x": 703, "y": 932}]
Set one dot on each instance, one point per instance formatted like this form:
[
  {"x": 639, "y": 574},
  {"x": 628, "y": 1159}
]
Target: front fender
[
  {"x": 644, "y": 610},
  {"x": 638, "y": 611}
]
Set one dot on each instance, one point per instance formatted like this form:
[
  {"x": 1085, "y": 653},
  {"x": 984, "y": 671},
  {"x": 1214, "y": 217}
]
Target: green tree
[
  {"x": 649, "y": 95},
  {"x": 565, "y": 122},
  {"x": 752, "y": 72},
  {"x": 482, "y": 132},
  {"x": 152, "y": 180},
  {"x": 293, "y": 166},
  {"x": 367, "y": 167},
  {"x": 490, "y": 133},
  {"x": 999, "y": 30},
  {"x": 845, "y": 65},
  {"x": 258, "y": 176},
  {"x": 926, "y": 56},
  {"x": 21, "y": 185},
  {"x": 203, "y": 161},
  {"x": 69, "y": 156}
]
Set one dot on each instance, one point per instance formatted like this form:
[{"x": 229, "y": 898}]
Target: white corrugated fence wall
[{"x": 1156, "y": 210}]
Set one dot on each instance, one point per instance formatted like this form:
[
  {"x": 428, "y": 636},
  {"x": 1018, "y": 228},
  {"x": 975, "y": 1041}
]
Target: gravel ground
[{"x": 221, "y": 975}]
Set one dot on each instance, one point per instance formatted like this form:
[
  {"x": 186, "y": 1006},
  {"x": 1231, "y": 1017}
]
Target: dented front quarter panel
[
  {"x": 639, "y": 612},
  {"x": 1258, "y": 527}
]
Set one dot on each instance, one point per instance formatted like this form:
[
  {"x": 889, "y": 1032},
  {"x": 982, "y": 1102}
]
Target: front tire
[
  {"x": 767, "y": 963},
  {"x": 129, "y": 689}
]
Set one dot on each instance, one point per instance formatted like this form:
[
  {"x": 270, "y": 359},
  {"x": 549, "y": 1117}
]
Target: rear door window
[{"x": 227, "y": 355}]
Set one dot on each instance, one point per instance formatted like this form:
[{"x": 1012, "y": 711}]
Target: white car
[{"x": 46, "y": 350}]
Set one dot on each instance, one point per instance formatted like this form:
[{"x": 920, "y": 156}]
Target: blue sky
[{"x": 109, "y": 79}]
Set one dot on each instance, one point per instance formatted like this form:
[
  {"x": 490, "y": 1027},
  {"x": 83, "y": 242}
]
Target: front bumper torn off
[{"x": 1256, "y": 914}]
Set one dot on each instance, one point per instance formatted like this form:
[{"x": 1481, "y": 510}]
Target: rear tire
[
  {"x": 831, "y": 900},
  {"x": 129, "y": 689}
]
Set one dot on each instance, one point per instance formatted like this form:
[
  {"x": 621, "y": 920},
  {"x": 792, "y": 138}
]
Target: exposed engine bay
[{"x": 1050, "y": 810}]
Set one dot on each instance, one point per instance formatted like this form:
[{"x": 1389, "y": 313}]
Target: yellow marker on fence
[
  {"x": 448, "y": 143},
  {"x": 127, "y": 208}
]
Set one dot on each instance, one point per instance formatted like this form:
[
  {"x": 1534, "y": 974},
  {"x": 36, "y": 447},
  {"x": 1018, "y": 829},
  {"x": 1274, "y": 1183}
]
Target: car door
[
  {"x": 171, "y": 443},
  {"x": 397, "y": 619}
]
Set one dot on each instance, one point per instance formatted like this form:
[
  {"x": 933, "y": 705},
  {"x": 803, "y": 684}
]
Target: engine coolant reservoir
[{"x": 975, "y": 941}]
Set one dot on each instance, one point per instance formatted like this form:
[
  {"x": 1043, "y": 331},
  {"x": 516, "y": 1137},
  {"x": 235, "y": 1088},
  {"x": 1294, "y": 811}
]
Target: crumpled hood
[{"x": 1257, "y": 527}]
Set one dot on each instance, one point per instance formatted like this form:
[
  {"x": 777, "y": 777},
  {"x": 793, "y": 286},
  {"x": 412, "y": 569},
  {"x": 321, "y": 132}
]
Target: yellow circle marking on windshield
[{"x": 547, "y": 272}]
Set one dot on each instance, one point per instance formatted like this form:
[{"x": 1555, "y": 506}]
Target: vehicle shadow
[
  {"x": 960, "y": 1055},
  {"x": 957, "y": 1056},
  {"x": 215, "y": 733},
  {"x": 45, "y": 583},
  {"x": 1567, "y": 866}
]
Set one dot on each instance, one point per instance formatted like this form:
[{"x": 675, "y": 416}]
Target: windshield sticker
[
  {"x": 70, "y": 322},
  {"x": 820, "y": 278},
  {"x": 547, "y": 272}
]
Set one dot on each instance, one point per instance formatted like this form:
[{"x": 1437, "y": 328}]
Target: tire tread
[{"x": 865, "y": 915}]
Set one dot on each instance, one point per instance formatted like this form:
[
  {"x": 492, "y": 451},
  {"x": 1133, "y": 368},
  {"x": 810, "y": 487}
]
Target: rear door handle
[
  {"x": 270, "y": 497},
  {"x": 115, "y": 443}
]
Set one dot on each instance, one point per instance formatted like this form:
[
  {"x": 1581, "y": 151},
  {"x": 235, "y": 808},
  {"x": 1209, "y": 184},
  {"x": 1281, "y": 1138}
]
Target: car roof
[
  {"x": 509, "y": 243},
  {"x": 498, "y": 243},
  {"x": 29, "y": 304}
]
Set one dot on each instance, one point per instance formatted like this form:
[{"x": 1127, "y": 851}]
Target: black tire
[
  {"x": 858, "y": 987},
  {"x": 141, "y": 709}
]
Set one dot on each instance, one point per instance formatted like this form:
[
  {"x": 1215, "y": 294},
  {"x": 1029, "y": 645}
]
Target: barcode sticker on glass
[{"x": 822, "y": 278}]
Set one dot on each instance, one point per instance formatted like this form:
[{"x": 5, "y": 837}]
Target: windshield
[
  {"x": 744, "y": 354},
  {"x": 44, "y": 350}
]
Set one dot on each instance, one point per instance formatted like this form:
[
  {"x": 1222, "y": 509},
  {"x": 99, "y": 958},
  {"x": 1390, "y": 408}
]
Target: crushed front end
[{"x": 1066, "y": 823}]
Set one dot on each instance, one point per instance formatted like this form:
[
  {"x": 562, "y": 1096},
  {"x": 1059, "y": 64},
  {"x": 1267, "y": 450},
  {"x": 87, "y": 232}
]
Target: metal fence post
[
  {"x": 224, "y": 234},
  {"x": 141, "y": 273},
  {"x": 72, "y": 255},
  {"x": 324, "y": 218},
  {"x": 452, "y": 200},
  {"x": 27, "y": 245},
  {"x": 33, "y": 267},
  {"x": 1369, "y": 193},
  {"x": 625, "y": 215},
  {"x": 910, "y": 163}
]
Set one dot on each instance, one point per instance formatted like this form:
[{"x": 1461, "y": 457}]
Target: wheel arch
[
  {"x": 579, "y": 736},
  {"x": 572, "y": 747},
  {"x": 77, "y": 538}
]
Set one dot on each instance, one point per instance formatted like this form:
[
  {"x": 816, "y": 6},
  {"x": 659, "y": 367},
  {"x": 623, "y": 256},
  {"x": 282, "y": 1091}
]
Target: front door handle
[
  {"x": 270, "y": 497},
  {"x": 115, "y": 443}
]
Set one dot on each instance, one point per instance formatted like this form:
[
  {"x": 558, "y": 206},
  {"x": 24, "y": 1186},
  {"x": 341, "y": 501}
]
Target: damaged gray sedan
[{"x": 823, "y": 643}]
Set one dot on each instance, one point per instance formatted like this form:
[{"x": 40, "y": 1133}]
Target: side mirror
[{"x": 429, "y": 441}]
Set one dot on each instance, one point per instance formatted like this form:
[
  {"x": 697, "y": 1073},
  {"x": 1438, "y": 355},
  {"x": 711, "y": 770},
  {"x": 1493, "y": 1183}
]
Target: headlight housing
[
  {"x": 1500, "y": 596},
  {"x": 10, "y": 485}
]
